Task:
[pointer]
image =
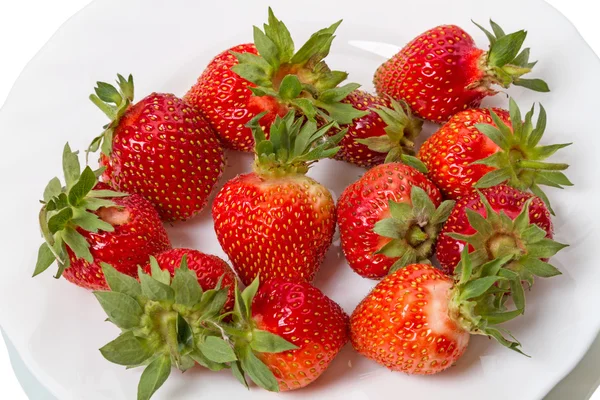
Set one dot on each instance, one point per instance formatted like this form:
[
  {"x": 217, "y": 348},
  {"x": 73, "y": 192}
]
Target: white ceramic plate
[{"x": 57, "y": 327}]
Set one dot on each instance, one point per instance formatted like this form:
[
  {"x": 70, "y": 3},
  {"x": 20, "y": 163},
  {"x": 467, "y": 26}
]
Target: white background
[{"x": 25, "y": 25}]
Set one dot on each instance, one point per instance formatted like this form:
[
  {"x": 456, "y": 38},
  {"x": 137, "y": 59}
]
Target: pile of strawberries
[{"x": 470, "y": 196}]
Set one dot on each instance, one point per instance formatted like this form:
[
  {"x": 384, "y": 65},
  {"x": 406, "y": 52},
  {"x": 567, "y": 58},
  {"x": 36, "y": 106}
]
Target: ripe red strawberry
[
  {"x": 385, "y": 133},
  {"x": 496, "y": 222},
  {"x": 418, "y": 321},
  {"x": 85, "y": 224},
  {"x": 442, "y": 72},
  {"x": 276, "y": 221},
  {"x": 314, "y": 325},
  {"x": 209, "y": 269},
  {"x": 483, "y": 148},
  {"x": 159, "y": 147},
  {"x": 227, "y": 103},
  {"x": 390, "y": 218},
  {"x": 270, "y": 77}
]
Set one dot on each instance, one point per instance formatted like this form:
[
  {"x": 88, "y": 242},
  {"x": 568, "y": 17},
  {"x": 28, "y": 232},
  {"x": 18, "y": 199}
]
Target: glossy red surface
[
  {"x": 404, "y": 322},
  {"x": 226, "y": 102},
  {"x": 304, "y": 316},
  {"x": 165, "y": 151},
  {"x": 278, "y": 227},
  {"x": 361, "y": 128},
  {"x": 433, "y": 74},
  {"x": 450, "y": 152}
]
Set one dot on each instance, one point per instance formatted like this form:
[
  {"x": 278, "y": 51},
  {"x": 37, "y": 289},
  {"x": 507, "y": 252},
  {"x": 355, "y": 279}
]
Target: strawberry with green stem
[
  {"x": 171, "y": 322},
  {"x": 159, "y": 147},
  {"x": 85, "y": 223},
  {"x": 384, "y": 134},
  {"x": 432, "y": 316},
  {"x": 276, "y": 221},
  {"x": 390, "y": 218},
  {"x": 480, "y": 148},
  {"x": 274, "y": 81},
  {"x": 442, "y": 72},
  {"x": 501, "y": 222}
]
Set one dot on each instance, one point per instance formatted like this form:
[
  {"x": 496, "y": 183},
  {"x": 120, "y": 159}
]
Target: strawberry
[
  {"x": 418, "y": 321},
  {"x": 85, "y": 224},
  {"x": 270, "y": 77},
  {"x": 209, "y": 269},
  {"x": 482, "y": 148},
  {"x": 167, "y": 320},
  {"x": 282, "y": 335},
  {"x": 276, "y": 221},
  {"x": 385, "y": 133},
  {"x": 390, "y": 218},
  {"x": 159, "y": 148},
  {"x": 496, "y": 222},
  {"x": 442, "y": 72}
]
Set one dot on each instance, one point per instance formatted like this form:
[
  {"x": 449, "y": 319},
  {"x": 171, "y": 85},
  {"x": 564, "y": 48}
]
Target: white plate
[{"x": 57, "y": 327}]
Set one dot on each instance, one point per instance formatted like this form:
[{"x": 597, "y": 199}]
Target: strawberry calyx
[
  {"x": 77, "y": 205},
  {"x": 165, "y": 322},
  {"x": 114, "y": 103},
  {"x": 401, "y": 131},
  {"x": 504, "y": 63},
  {"x": 477, "y": 299},
  {"x": 294, "y": 144},
  {"x": 525, "y": 244},
  {"x": 520, "y": 161},
  {"x": 301, "y": 79},
  {"x": 413, "y": 229}
]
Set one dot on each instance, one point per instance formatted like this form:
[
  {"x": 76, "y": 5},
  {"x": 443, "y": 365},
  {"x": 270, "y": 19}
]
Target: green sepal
[
  {"x": 267, "y": 342},
  {"x": 153, "y": 377},
  {"x": 300, "y": 80},
  {"x": 520, "y": 160},
  {"x": 413, "y": 228},
  {"x": 217, "y": 350},
  {"x": 293, "y": 145},
  {"x": 122, "y": 310},
  {"x": 505, "y": 63},
  {"x": 476, "y": 298},
  {"x": 519, "y": 241},
  {"x": 258, "y": 371},
  {"x": 153, "y": 289},
  {"x": 127, "y": 349},
  {"x": 402, "y": 128},
  {"x": 66, "y": 211},
  {"x": 121, "y": 283},
  {"x": 113, "y": 102}
]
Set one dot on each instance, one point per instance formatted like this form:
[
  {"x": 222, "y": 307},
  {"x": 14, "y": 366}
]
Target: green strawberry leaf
[
  {"x": 205, "y": 362},
  {"x": 154, "y": 289},
  {"x": 121, "y": 283},
  {"x": 188, "y": 291},
  {"x": 122, "y": 310},
  {"x": 217, "y": 350},
  {"x": 127, "y": 349},
  {"x": 53, "y": 189},
  {"x": 258, "y": 371},
  {"x": 82, "y": 187},
  {"x": 59, "y": 221},
  {"x": 163, "y": 276},
  {"x": 44, "y": 260},
  {"x": 153, "y": 377},
  {"x": 71, "y": 166},
  {"x": 77, "y": 243},
  {"x": 267, "y": 342}
]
